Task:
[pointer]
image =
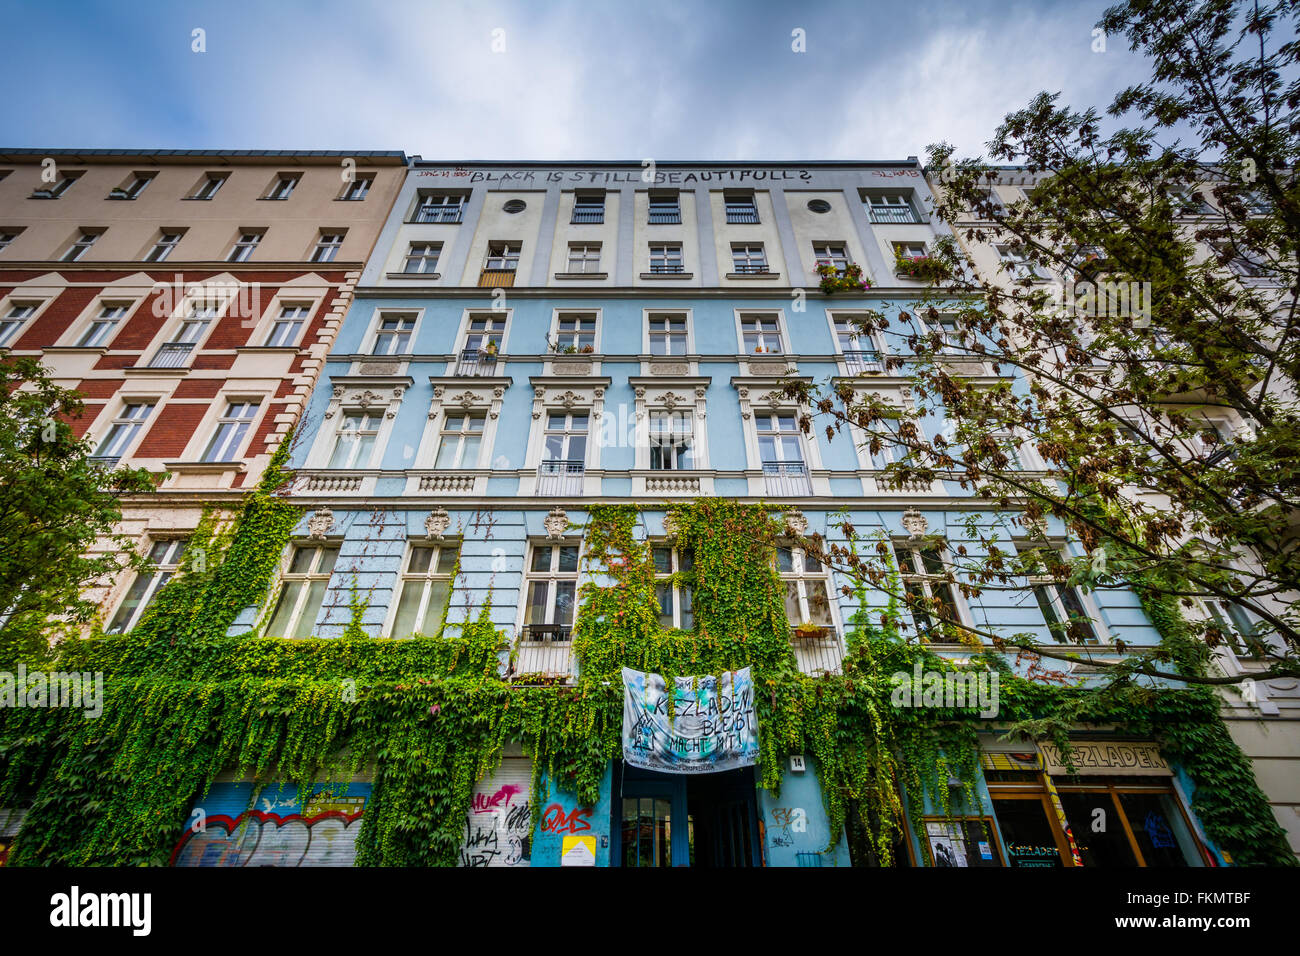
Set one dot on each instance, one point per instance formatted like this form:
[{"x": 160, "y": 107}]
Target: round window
[
  {"x": 819, "y": 205},
  {"x": 514, "y": 205}
]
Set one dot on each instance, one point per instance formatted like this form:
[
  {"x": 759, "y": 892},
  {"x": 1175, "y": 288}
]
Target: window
[
  {"x": 666, "y": 258},
  {"x": 133, "y": 188},
  {"x": 244, "y": 246},
  {"x": 283, "y": 186},
  {"x": 946, "y": 326},
  {"x": 514, "y": 206},
  {"x": 424, "y": 589},
  {"x": 1239, "y": 628},
  {"x": 122, "y": 432},
  {"x": 740, "y": 208},
  {"x": 285, "y": 329},
  {"x": 668, "y": 334},
  {"x": 19, "y": 312},
  {"x": 485, "y": 334},
  {"x": 564, "y": 454},
  {"x": 354, "y": 444},
  {"x": 327, "y": 246},
  {"x": 807, "y": 598},
  {"x": 7, "y": 236},
  {"x": 857, "y": 347},
  {"x": 78, "y": 248},
  {"x": 1062, "y": 606},
  {"x": 909, "y": 250},
  {"x": 672, "y": 439},
  {"x": 552, "y": 590},
  {"x": 886, "y": 207},
  {"x": 461, "y": 437},
  {"x": 208, "y": 186},
  {"x": 1015, "y": 263},
  {"x": 231, "y": 429},
  {"x": 502, "y": 256},
  {"x": 358, "y": 189},
  {"x": 192, "y": 329},
  {"x": 933, "y": 600},
  {"x": 422, "y": 257},
  {"x": 394, "y": 335},
  {"x": 589, "y": 207},
  {"x": 57, "y": 189},
  {"x": 761, "y": 333},
  {"x": 584, "y": 257},
  {"x": 988, "y": 198},
  {"x": 575, "y": 332},
  {"x": 165, "y": 560},
  {"x": 440, "y": 207},
  {"x": 780, "y": 451},
  {"x": 748, "y": 258},
  {"x": 1009, "y": 444},
  {"x": 675, "y": 598},
  {"x": 665, "y": 208},
  {"x": 832, "y": 254},
  {"x": 303, "y": 591},
  {"x": 1188, "y": 201},
  {"x": 164, "y": 246},
  {"x": 101, "y": 329}
]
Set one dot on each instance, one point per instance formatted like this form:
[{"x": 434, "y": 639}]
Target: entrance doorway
[{"x": 704, "y": 820}]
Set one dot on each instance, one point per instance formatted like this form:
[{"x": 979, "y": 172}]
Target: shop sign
[{"x": 1108, "y": 757}]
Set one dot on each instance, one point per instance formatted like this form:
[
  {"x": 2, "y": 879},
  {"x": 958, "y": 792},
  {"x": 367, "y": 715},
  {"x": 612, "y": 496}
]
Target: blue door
[{"x": 705, "y": 820}]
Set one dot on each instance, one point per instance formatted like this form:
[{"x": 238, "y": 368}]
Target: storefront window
[
  {"x": 647, "y": 832},
  {"x": 1027, "y": 832}
]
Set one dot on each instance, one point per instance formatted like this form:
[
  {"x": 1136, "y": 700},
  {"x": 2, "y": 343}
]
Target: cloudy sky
[{"x": 673, "y": 79}]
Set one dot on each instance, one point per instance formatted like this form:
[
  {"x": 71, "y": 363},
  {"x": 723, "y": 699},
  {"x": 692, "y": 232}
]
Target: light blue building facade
[{"x": 527, "y": 340}]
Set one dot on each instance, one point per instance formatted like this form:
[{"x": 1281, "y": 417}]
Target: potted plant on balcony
[
  {"x": 925, "y": 268},
  {"x": 490, "y": 351},
  {"x": 850, "y": 279},
  {"x": 808, "y": 631}
]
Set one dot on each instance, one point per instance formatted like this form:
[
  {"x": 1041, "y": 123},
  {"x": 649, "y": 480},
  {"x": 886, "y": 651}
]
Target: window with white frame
[
  {"x": 123, "y": 431},
  {"x": 199, "y": 315},
  {"x": 566, "y": 437},
  {"x": 422, "y": 257},
  {"x": 288, "y": 324},
  {"x": 133, "y": 188},
  {"x": 589, "y": 207},
  {"x": 888, "y": 207},
  {"x": 358, "y": 189},
  {"x": 424, "y": 589},
  {"x": 164, "y": 246},
  {"x": 1063, "y": 607},
  {"x": 834, "y": 254},
  {"x": 81, "y": 245},
  {"x": 303, "y": 590},
  {"x": 1017, "y": 265},
  {"x": 57, "y": 189},
  {"x": 748, "y": 258},
  {"x": 440, "y": 207},
  {"x": 857, "y": 347},
  {"x": 584, "y": 257},
  {"x": 676, "y": 598},
  {"x": 209, "y": 185},
  {"x": 947, "y": 327},
  {"x": 891, "y": 447},
  {"x": 909, "y": 250},
  {"x": 327, "y": 246},
  {"x": 502, "y": 257},
  {"x": 232, "y": 428},
  {"x": 575, "y": 332},
  {"x": 1243, "y": 632},
  {"x": 672, "y": 441},
  {"x": 761, "y": 333},
  {"x": 1008, "y": 443},
  {"x": 7, "y": 236},
  {"x": 667, "y": 334},
  {"x": 665, "y": 208},
  {"x": 740, "y": 208},
  {"x": 807, "y": 597},
  {"x": 1189, "y": 201},
  {"x": 101, "y": 328},
  {"x": 19, "y": 312},
  {"x": 552, "y": 589},
  {"x": 460, "y": 439},
  {"x": 666, "y": 258},
  {"x": 484, "y": 334},
  {"x": 164, "y": 561},
  {"x": 988, "y": 198},
  {"x": 779, "y": 441},
  {"x": 393, "y": 335},
  {"x": 244, "y": 246},
  {"x": 934, "y": 600},
  {"x": 355, "y": 441},
  {"x": 283, "y": 186}
]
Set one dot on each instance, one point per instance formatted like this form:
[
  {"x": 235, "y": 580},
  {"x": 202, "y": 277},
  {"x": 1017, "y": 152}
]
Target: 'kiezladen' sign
[
  {"x": 1113, "y": 757},
  {"x": 712, "y": 726}
]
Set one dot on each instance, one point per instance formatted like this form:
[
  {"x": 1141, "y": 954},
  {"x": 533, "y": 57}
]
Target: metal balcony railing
[
  {"x": 818, "y": 651},
  {"x": 861, "y": 361},
  {"x": 890, "y": 214},
  {"x": 560, "y": 478},
  {"x": 496, "y": 278},
  {"x": 786, "y": 479},
  {"x": 171, "y": 355},
  {"x": 751, "y": 268},
  {"x": 476, "y": 362},
  {"x": 665, "y": 217},
  {"x": 666, "y": 268},
  {"x": 588, "y": 215},
  {"x": 543, "y": 649},
  {"x": 442, "y": 214},
  {"x": 107, "y": 462},
  {"x": 742, "y": 215}
]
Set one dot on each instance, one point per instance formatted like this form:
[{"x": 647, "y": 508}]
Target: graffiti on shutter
[
  {"x": 498, "y": 828},
  {"x": 229, "y": 828}
]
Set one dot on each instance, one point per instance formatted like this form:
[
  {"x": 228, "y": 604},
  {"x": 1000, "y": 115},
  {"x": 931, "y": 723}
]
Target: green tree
[
  {"x": 1171, "y": 227},
  {"x": 58, "y": 513}
]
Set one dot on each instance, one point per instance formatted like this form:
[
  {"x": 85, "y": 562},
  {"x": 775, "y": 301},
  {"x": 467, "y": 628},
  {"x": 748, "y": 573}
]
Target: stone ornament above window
[
  {"x": 320, "y": 524},
  {"x": 556, "y": 523},
  {"x": 796, "y": 522},
  {"x": 915, "y": 524},
  {"x": 437, "y": 523}
]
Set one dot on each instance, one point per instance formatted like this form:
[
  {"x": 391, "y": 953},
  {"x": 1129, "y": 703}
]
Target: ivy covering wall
[{"x": 429, "y": 716}]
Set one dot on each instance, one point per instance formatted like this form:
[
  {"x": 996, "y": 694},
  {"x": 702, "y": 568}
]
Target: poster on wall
[
  {"x": 947, "y": 844},
  {"x": 712, "y": 726}
]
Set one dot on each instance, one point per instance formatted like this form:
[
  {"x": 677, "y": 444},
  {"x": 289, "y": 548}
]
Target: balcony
[
  {"x": 581, "y": 215},
  {"x": 742, "y": 215},
  {"x": 560, "y": 478},
  {"x": 475, "y": 362},
  {"x": 441, "y": 214},
  {"x": 863, "y": 362},
  {"x": 786, "y": 479},
  {"x": 817, "y": 650},
  {"x": 666, "y": 268},
  {"x": 894, "y": 214},
  {"x": 172, "y": 355},
  {"x": 544, "y": 650},
  {"x": 751, "y": 268},
  {"x": 496, "y": 278}
]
